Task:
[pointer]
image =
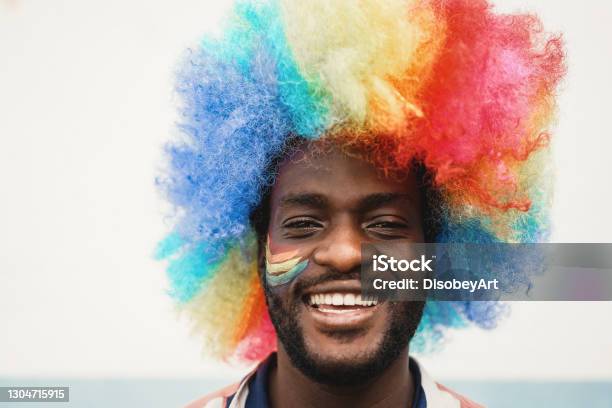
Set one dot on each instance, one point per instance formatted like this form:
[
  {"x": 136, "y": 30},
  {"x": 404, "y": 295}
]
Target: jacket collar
[{"x": 435, "y": 396}]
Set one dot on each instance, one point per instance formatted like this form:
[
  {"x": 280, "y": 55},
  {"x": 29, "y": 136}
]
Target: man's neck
[{"x": 289, "y": 387}]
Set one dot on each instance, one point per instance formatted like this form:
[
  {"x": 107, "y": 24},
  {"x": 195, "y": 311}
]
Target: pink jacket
[{"x": 436, "y": 395}]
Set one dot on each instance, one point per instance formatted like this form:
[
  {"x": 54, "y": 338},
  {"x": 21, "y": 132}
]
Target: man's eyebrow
[
  {"x": 304, "y": 200},
  {"x": 373, "y": 201}
]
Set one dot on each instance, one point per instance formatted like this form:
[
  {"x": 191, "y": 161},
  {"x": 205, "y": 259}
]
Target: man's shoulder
[
  {"x": 217, "y": 399},
  {"x": 440, "y": 396},
  {"x": 236, "y": 393},
  {"x": 462, "y": 401}
]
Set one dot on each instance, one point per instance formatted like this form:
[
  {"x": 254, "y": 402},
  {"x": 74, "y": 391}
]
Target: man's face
[{"x": 323, "y": 206}]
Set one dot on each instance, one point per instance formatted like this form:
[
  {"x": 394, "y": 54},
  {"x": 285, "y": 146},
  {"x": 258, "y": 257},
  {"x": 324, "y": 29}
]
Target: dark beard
[{"x": 405, "y": 317}]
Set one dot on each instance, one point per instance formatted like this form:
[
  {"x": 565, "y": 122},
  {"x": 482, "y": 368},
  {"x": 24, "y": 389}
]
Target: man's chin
[{"x": 340, "y": 367}]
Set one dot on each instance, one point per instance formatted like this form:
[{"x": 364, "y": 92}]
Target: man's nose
[{"x": 341, "y": 249}]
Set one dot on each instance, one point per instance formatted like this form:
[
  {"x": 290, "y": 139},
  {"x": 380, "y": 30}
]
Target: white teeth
[
  {"x": 342, "y": 299},
  {"x": 335, "y": 311}
]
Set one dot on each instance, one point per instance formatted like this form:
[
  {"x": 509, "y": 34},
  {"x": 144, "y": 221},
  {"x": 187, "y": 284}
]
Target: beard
[{"x": 404, "y": 318}]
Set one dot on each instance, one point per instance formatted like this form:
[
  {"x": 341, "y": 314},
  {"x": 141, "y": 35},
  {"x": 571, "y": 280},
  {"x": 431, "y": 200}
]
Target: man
[
  {"x": 313, "y": 127},
  {"x": 340, "y": 350}
]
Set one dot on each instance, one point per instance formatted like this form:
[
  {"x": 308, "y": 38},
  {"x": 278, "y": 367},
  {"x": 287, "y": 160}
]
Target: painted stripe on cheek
[
  {"x": 288, "y": 276},
  {"x": 283, "y": 267}
]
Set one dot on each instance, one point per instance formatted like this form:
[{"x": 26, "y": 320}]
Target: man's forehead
[
  {"x": 362, "y": 201},
  {"x": 319, "y": 178}
]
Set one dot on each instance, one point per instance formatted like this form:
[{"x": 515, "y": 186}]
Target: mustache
[{"x": 330, "y": 275}]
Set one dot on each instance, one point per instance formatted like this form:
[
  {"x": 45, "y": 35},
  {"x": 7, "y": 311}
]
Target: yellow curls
[
  {"x": 372, "y": 56},
  {"x": 221, "y": 310}
]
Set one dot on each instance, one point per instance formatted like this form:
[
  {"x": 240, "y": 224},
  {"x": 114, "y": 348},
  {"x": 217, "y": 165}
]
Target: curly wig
[{"x": 466, "y": 92}]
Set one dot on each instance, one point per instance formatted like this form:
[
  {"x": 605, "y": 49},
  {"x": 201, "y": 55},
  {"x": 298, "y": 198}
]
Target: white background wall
[{"x": 86, "y": 102}]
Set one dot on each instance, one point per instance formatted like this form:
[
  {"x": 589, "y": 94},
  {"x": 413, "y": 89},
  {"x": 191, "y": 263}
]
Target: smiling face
[{"x": 322, "y": 207}]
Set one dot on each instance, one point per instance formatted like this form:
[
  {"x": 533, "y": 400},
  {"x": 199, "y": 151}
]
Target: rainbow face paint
[{"x": 283, "y": 267}]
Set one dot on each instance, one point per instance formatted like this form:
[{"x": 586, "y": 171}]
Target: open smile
[{"x": 340, "y": 307}]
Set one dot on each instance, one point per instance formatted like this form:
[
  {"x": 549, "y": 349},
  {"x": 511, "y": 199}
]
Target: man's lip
[
  {"x": 338, "y": 286},
  {"x": 351, "y": 318}
]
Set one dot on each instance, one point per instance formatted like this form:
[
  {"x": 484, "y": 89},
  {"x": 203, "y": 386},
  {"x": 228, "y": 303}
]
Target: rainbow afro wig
[{"x": 465, "y": 91}]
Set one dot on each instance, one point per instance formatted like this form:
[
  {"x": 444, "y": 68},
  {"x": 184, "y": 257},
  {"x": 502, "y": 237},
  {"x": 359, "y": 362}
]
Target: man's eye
[
  {"x": 301, "y": 228},
  {"x": 302, "y": 224},
  {"x": 388, "y": 229},
  {"x": 387, "y": 225}
]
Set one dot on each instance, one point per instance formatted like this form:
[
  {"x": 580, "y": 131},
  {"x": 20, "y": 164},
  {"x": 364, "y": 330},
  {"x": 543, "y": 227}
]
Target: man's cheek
[
  {"x": 283, "y": 266},
  {"x": 280, "y": 299},
  {"x": 287, "y": 273}
]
